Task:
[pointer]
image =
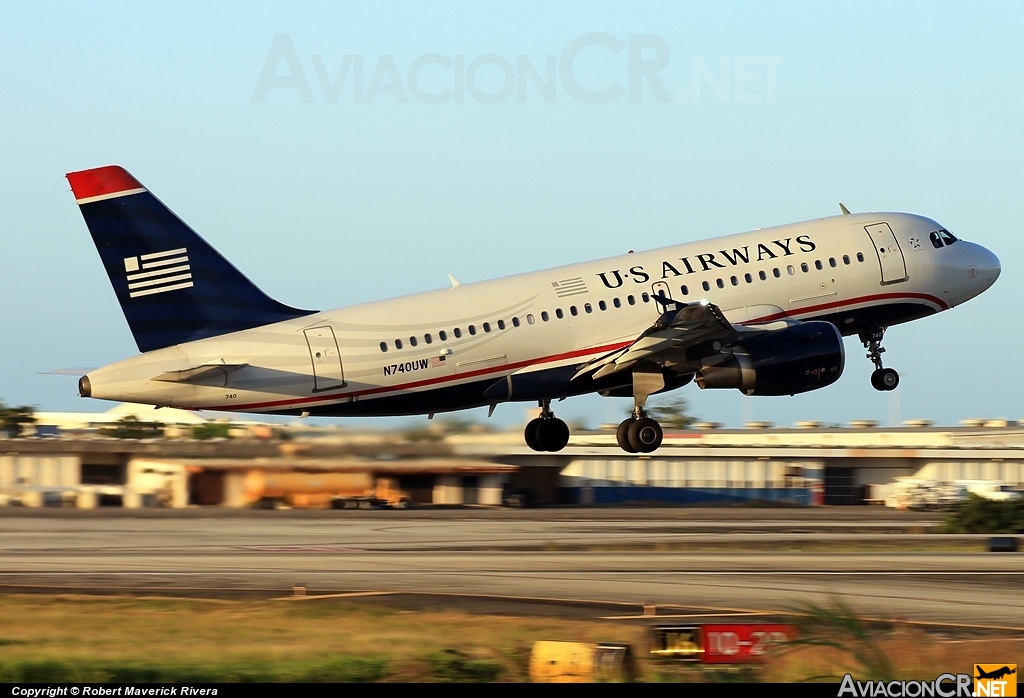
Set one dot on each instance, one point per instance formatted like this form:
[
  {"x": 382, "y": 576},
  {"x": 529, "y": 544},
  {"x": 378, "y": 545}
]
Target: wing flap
[{"x": 680, "y": 326}]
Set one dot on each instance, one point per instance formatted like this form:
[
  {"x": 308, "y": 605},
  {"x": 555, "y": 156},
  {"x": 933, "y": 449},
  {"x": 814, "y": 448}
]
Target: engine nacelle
[{"x": 792, "y": 360}]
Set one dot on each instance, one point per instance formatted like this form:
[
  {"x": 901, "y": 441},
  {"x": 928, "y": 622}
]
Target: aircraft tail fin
[{"x": 172, "y": 285}]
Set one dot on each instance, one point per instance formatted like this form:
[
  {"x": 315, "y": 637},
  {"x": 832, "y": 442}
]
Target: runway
[{"x": 598, "y": 563}]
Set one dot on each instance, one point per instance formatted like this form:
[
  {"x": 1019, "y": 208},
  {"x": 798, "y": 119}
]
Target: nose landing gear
[{"x": 881, "y": 378}]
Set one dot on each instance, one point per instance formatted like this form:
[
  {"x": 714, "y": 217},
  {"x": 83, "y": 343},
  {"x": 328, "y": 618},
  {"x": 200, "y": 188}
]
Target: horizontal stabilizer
[
  {"x": 76, "y": 372},
  {"x": 200, "y": 374}
]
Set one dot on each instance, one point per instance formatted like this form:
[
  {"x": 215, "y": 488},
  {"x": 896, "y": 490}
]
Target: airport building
[{"x": 807, "y": 464}]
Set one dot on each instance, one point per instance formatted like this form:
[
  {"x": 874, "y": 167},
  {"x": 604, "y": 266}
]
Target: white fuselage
[{"x": 440, "y": 350}]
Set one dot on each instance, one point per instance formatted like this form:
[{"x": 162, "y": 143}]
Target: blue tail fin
[{"x": 173, "y": 287}]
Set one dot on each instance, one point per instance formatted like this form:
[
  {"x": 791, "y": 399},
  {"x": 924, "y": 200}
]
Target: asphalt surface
[{"x": 685, "y": 564}]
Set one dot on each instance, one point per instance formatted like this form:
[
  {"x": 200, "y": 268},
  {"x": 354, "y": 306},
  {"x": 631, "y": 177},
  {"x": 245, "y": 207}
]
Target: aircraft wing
[
  {"x": 199, "y": 374},
  {"x": 681, "y": 327}
]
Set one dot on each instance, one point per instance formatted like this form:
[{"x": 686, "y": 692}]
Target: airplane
[
  {"x": 995, "y": 674},
  {"x": 764, "y": 312}
]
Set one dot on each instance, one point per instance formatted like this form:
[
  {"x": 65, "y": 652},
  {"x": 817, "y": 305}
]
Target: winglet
[
  {"x": 455, "y": 282},
  {"x": 846, "y": 211}
]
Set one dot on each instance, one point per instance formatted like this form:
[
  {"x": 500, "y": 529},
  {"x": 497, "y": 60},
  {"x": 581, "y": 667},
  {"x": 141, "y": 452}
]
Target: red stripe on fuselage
[
  {"x": 561, "y": 357},
  {"x": 433, "y": 381},
  {"x": 101, "y": 181},
  {"x": 812, "y": 309}
]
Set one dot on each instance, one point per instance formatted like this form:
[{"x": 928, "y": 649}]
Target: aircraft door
[
  {"x": 661, "y": 292},
  {"x": 887, "y": 249},
  {"x": 323, "y": 352}
]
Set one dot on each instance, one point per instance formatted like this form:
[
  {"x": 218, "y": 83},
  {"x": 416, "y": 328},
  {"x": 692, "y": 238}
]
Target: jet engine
[{"x": 792, "y": 360}]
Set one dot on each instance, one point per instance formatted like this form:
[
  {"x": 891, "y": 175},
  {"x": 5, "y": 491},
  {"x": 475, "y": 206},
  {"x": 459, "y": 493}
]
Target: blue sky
[{"x": 328, "y": 192}]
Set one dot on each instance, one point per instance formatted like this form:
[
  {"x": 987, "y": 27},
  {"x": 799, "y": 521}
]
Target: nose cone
[
  {"x": 968, "y": 270},
  {"x": 988, "y": 267}
]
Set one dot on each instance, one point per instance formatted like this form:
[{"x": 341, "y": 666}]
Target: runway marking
[
  {"x": 299, "y": 549},
  {"x": 349, "y": 595},
  {"x": 659, "y": 616},
  {"x": 500, "y": 572}
]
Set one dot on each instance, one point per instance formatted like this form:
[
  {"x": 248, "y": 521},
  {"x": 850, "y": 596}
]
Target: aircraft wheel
[
  {"x": 532, "y": 434},
  {"x": 885, "y": 379},
  {"x": 553, "y": 434},
  {"x": 645, "y": 435},
  {"x": 622, "y": 436}
]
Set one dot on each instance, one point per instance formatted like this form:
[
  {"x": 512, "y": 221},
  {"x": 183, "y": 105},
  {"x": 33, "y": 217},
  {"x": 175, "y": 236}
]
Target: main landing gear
[
  {"x": 881, "y": 378},
  {"x": 547, "y": 432},
  {"x": 640, "y": 433}
]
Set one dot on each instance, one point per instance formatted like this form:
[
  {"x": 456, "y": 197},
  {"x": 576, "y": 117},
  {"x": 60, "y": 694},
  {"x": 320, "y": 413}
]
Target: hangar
[{"x": 806, "y": 464}]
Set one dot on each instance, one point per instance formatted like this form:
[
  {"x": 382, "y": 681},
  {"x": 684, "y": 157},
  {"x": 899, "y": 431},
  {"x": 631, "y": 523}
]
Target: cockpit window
[{"x": 942, "y": 237}]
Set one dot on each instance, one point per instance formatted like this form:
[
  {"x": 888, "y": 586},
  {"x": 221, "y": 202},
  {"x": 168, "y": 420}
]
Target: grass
[
  {"x": 129, "y": 639},
  {"x": 77, "y": 638}
]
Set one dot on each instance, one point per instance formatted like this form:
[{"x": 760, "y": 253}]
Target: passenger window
[
  {"x": 803, "y": 267},
  {"x": 472, "y": 329},
  {"x": 458, "y": 333},
  {"x": 530, "y": 320},
  {"x": 817, "y": 264},
  {"x": 487, "y": 327},
  {"x": 685, "y": 290},
  {"x": 776, "y": 273},
  {"x": 428, "y": 339},
  {"x": 761, "y": 275},
  {"x": 831, "y": 261},
  {"x": 645, "y": 297},
  {"x": 383, "y": 346},
  {"x": 559, "y": 314},
  {"x": 602, "y": 305},
  {"x": 706, "y": 286},
  {"x": 398, "y": 344},
  {"x": 573, "y": 311},
  {"x": 443, "y": 336},
  {"x": 846, "y": 259},
  {"x": 515, "y": 322},
  {"x": 412, "y": 341},
  {"x": 501, "y": 324},
  {"x": 720, "y": 283},
  {"x": 631, "y": 300},
  {"x": 748, "y": 278},
  {"x": 860, "y": 256},
  {"x": 734, "y": 281},
  {"x": 616, "y": 302},
  {"x": 588, "y": 308}
]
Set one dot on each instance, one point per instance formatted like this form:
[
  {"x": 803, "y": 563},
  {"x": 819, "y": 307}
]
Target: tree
[
  {"x": 131, "y": 427},
  {"x": 13, "y": 419},
  {"x": 674, "y": 413},
  {"x": 980, "y": 515},
  {"x": 212, "y": 430}
]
